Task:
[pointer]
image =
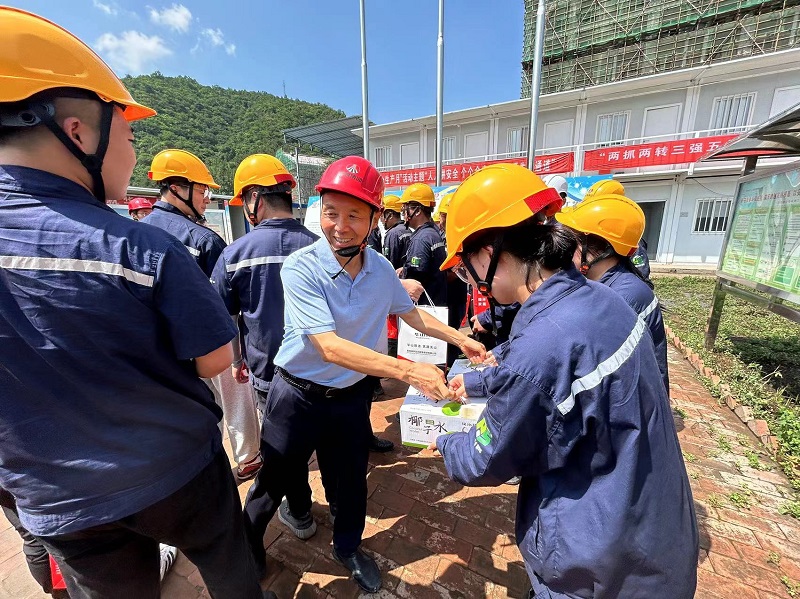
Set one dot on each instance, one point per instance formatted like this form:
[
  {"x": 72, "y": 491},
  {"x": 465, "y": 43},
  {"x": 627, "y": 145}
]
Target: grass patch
[
  {"x": 715, "y": 500},
  {"x": 791, "y": 508},
  {"x": 757, "y": 354}
]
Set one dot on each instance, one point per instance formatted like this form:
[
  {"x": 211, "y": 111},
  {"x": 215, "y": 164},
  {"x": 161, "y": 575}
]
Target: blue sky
[{"x": 311, "y": 45}]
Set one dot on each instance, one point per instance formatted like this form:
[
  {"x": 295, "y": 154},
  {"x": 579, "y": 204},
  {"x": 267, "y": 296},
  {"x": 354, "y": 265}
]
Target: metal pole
[
  {"x": 440, "y": 94},
  {"x": 364, "y": 87},
  {"x": 536, "y": 82},
  {"x": 297, "y": 170}
]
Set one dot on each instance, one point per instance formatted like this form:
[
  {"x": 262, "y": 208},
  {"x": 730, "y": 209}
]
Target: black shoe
[
  {"x": 380, "y": 445},
  {"x": 363, "y": 568},
  {"x": 268, "y": 595}
]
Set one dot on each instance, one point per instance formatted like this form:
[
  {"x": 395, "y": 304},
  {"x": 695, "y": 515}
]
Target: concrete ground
[{"x": 434, "y": 538}]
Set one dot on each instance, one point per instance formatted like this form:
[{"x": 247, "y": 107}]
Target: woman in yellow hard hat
[
  {"x": 604, "y": 505},
  {"x": 611, "y": 186},
  {"x": 110, "y": 440},
  {"x": 609, "y": 228}
]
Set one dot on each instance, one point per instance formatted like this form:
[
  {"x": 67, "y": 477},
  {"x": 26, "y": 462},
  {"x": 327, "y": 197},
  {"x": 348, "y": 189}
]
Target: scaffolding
[
  {"x": 306, "y": 170},
  {"x": 592, "y": 42}
]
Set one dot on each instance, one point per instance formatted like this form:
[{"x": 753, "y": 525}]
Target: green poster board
[{"x": 762, "y": 246}]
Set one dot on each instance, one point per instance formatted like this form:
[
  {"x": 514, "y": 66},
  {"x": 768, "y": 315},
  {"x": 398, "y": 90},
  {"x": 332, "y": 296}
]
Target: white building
[{"x": 646, "y": 132}]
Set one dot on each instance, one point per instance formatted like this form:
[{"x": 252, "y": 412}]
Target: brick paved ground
[{"x": 434, "y": 538}]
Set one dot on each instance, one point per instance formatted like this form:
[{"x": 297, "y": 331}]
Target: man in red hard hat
[
  {"x": 138, "y": 208},
  {"x": 338, "y": 293}
]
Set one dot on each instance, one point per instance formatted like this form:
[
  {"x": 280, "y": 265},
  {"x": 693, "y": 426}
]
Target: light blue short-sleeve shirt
[{"x": 315, "y": 303}]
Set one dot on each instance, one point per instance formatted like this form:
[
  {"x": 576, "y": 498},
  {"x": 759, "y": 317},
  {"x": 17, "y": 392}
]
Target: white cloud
[
  {"x": 133, "y": 52},
  {"x": 105, "y": 8},
  {"x": 214, "y": 38},
  {"x": 177, "y": 17}
]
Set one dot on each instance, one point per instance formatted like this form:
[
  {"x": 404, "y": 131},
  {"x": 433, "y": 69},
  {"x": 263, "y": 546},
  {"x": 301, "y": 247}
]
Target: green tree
[{"x": 221, "y": 126}]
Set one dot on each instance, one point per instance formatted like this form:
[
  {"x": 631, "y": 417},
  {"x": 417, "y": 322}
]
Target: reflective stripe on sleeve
[
  {"x": 192, "y": 251},
  {"x": 605, "y": 368},
  {"x": 74, "y": 265},
  {"x": 255, "y": 262},
  {"x": 649, "y": 309}
]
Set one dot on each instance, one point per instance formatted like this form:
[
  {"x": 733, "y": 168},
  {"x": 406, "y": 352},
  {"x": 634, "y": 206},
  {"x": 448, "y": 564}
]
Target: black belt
[{"x": 308, "y": 386}]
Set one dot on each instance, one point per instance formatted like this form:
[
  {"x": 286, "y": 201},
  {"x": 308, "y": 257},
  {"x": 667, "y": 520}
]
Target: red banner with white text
[
  {"x": 456, "y": 173},
  {"x": 652, "y": 154}
]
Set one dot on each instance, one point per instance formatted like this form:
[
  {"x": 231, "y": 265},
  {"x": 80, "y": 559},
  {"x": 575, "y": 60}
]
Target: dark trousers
[
  {"x": 298, "y": 422},
  {"x": 203, "y": 519},
  {"x": 298, "y": 491},
  {"x": 35, "y": 554}
]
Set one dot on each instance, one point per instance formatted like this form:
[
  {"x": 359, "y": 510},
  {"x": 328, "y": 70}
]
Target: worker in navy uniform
[
  {"x": 609, "y": 228},
  {"x": 247, "y": 276},
  {"x": 640, "y": 259},
  {"x": 395, "y": 241},
  {"x": 426, "y": 247},
  {"x": 338, "y": 293},
  {"x": 185, "y": 184},
  {"x": 604, "y": 507},
  {"x": 110, "y": 438}
]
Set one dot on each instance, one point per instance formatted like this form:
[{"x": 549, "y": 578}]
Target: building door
[{"x": 653, "y": 215}]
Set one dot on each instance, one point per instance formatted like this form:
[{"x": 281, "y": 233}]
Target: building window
[
  {"x": 731, "y": 112},
  {"x": 612, "y": 127},
  {"x": 448, "y": 148},
  {"x": 383, "y": 156},
  {"x": 517, "y": 140},
  {"x": 711, "y": 215}
]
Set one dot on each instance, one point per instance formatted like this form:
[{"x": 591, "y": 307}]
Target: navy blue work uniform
[
  {"x": 395, "y": 244},
  {"x": 248, "y": 278},
  {"x": 641, "y": 298},
  {"x": 604, "y": 508},
  {"x": 374, "y": 240},
  {"x": 203, "y": 243},
  {"x": 641, "y": 260},
  {"x": 503, "y": 319},
  {"x": 102, "y": 414},
  {"x": 318, "y": 405},
  {"x": 426, "y": 252}
]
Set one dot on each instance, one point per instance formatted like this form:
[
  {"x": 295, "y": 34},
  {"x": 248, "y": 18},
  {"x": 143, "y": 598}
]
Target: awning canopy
[
  {"x": 779, "y": 136},
  {"x": 334, "y": 137}
]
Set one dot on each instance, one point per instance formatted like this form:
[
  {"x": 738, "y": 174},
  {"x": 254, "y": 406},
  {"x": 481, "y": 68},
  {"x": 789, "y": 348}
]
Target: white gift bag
[{"x": 418, "y": 347}]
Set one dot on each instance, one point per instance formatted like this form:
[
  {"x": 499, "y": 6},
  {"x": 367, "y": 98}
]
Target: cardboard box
[{"x": 422, "y": 419}]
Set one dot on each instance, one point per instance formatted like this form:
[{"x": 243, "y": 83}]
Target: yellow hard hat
[
  {"x": 259, "y": 169},
  {"x": 419, "y": 193},
  {"x": 615, "y": 218},
  {"x": 183, "y": 164},
  {"x": 392, "y": 202},
  {"x": 37, "y": 55},
  {"x": 605, "y": 187},
  {"x": 498, "y": 195},
  {"x": 444, "y": 203}
]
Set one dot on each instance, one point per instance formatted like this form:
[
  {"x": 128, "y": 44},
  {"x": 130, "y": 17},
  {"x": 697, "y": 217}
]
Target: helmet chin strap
[
  {"x": 587, "y": 264},
  {"x": 484, "y": 286},
  {"x": 93, "y": 163},
  {"x": 352, "y": 251},
  {"x": 188, "y": 201}
]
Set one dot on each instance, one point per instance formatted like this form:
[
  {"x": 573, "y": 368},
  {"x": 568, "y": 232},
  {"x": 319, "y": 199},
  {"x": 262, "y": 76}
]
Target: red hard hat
[
  {"x": 138, "y": 204},
  {"x": 354, "y": 176}
]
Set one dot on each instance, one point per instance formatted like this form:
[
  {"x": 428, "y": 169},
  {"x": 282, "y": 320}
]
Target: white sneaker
[{"x": 168, "y": 555}]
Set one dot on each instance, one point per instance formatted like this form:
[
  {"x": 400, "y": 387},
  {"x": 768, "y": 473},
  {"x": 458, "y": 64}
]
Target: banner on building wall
[
  {"x": 652, "y": 154},
  {"x": 456, "y": 173}
]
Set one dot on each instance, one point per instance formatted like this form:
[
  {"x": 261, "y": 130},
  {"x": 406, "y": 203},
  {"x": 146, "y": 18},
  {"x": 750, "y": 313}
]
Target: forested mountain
[{"x": 219, "y": 125}]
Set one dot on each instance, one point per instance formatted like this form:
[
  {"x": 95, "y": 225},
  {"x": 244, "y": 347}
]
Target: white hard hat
[{"x": 557, "y": 182}]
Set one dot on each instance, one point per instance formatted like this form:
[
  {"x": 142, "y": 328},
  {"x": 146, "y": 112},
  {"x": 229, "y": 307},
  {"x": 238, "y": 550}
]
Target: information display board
[{"x": 762, "y": 246}]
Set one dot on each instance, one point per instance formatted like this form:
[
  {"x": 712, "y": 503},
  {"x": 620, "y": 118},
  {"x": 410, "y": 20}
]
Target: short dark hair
[
  {"x": 163, "y": 185},
  {"x": 277, "y": 197}
]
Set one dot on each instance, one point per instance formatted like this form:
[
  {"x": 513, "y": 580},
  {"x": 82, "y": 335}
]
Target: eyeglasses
[
  {"x": 460, "y": 270},
  {"x": 206, "y": 191}
]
